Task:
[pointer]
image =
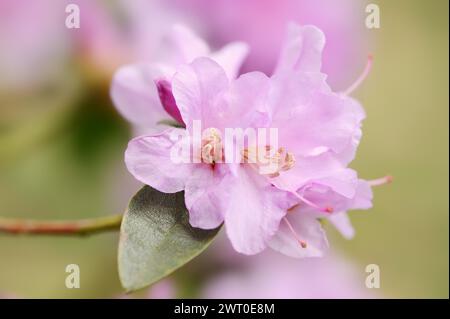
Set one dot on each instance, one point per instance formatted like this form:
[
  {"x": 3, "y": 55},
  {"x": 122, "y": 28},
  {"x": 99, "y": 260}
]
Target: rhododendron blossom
[{"x": 271, "y": 193}]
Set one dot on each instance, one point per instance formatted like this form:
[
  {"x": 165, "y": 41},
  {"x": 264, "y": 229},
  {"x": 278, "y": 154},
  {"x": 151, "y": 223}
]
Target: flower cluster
[{"x": 277, "y": 192}]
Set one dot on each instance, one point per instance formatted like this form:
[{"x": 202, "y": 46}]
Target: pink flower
[
  {"x": 302, "y": 224},
  {"x": 271, "y": 276},
  {"x": 142, "y": 92},
  {"x": 278, "y": 202},
  {"x": 261, "y": 23}
]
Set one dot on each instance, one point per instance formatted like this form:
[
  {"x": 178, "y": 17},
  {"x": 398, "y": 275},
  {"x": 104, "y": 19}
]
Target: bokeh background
[{"x": 62, "y": 143}]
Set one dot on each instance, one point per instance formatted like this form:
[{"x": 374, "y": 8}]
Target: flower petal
[
  {"x": 206, "y": 195},
  {"x": 182, "y": 45},
  {"x": 197, "y": 88},
  {"x": 342, "y": 223},
  {"x": 245, "y": 102},
  {"x": 307, "y": 170},
  {"x": 325, "y": 123},
  {"x": 231, "y": 57},
  {"x": 363, "y": 197},
  {"x": 343, "y": 182},
  {"x": 292, "y": 89},
  {"x": 302, "y": 49},
  {"x": 307, "y": 229},
  {"x": 358, "y": 114},
  {"x": 254, "y": 211},
  {"x": 327, "y": 195},
  {"x": 134, "y": 93},
  {"x": 361, "y": 200},
  {"x": 150, "y": 159}
]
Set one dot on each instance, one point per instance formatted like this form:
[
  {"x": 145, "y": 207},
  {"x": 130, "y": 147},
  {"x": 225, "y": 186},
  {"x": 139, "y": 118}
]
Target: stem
[{"x": 71, "y": 227}]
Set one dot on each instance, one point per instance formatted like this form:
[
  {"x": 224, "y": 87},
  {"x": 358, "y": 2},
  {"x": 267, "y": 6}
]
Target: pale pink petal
[
  {"x": 149, "y": 159},
  {"x": 324, "y": 196},
  {"x": 182, "y": 45},
  {"x": 323, "y": 124},
  {"x": 363, "y": 197},
  {"x": 254, "y": 211},
  {"x": 335, "y": 196},
  {"x": 231, "y": 57},
  {"x": 206, "y": 195},
  {"x": 361, "y": 200},
  {"x": 245, "y": 102},
  {"x": 302, "y": 49},
  {"x": 343, "y": 182},
  {"x": 307, "y": 229},
  {"x": 358, "y": 115},
  {"x": 342, "y": 223},
  {"x": 327, "y": 195},
  {"x": 307, "y": 170},
  {"x": 134, "y": 93},
  {"x": 293, "y": 89},
  {"x": 197, "y": 87}
]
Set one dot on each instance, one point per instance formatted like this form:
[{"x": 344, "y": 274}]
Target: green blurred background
[{"x": 61, "y": 156}]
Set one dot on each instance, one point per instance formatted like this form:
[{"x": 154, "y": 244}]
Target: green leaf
[{"x": 156, "y": 238}]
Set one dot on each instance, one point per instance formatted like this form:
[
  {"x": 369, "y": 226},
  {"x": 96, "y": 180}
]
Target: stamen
[
  {"x": 381, "y": 181},
  {"x": 301, "y": 242},
  {"x": 289, "y": 161},
  {"x": 362, "y": 77},
  {"x": 211, "y": 146},
  {"x": 269, "y": 163},
  {"x": 327, "y": 209}
]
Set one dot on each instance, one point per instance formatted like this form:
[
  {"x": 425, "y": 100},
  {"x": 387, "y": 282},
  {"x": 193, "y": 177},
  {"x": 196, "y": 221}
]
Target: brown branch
[{"x": 71, "y": 227}]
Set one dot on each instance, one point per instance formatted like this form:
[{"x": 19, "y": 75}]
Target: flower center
[
  {"x": 266, "y": 159},
  {"x": 211, "y": 146},
  {"x": 269, "y": 161}
]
